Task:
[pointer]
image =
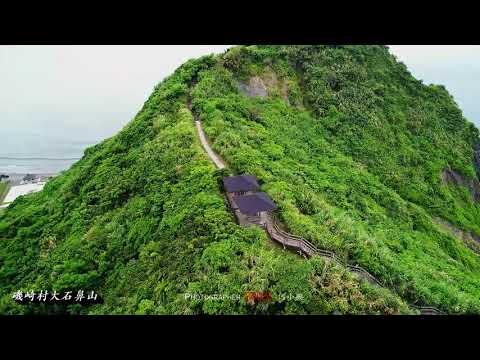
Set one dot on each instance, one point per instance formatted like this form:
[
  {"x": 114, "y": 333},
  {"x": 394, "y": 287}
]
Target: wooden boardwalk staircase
[{"x": 307, "y": 249}]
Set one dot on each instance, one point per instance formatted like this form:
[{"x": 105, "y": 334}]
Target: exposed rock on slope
[
  {"x": 470, "y": 239},
  {"x": 255, "y": 87},
  {"x": 450, "y": 176},
  {"x": 262, "y": 86},
  {"x": 477, "y": 160}
]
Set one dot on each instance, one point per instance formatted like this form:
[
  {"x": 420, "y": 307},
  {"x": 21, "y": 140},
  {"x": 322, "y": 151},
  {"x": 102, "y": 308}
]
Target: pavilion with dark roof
[
  {"x": 241, "y": 184},
  {"x": 255, "y": 204}
]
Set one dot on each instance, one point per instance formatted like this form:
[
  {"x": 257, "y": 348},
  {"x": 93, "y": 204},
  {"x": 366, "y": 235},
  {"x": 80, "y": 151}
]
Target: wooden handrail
[{"x": 303, "y": 244}]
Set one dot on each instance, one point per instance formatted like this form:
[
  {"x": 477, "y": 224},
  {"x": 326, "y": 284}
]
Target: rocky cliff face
[
  {"x": 471, "y": 239},
  {"x": 450, "y": 176},
  {"x": 477, "y": 159}
]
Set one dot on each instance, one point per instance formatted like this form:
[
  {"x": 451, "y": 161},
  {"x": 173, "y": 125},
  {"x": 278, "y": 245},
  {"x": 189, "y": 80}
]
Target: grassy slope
[
  {"x": 140, "y": 219},
  {"x": 4, "y": 186},
  {"x": 355, "y": 167}
]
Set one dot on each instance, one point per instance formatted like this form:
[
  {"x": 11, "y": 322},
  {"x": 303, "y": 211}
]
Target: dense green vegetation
[
  {"x": 355, "y": 163},
  {"x": 349, "y": 145}
]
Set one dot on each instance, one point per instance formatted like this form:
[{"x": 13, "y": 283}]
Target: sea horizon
[
  {"x": 44, "y": 151},
  {"x": 35, "y": 166}
]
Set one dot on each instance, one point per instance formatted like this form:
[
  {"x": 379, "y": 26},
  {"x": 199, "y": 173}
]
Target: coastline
[
  {"x": 16, "y": 178},
  {"x": 22, "y": 184}
]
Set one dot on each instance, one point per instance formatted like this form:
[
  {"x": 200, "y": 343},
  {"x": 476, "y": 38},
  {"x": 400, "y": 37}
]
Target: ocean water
[
  {"x": 41, "y": 151},
  {"x": 35, "y": 166}
]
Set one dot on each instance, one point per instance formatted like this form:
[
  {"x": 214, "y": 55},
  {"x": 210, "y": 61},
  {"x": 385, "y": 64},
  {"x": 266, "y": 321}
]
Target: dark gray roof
[
  {"x": 252, "y": 204},
  {"x": 240, "y": 183}
]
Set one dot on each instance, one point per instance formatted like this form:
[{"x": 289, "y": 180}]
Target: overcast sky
[
  {"x": 455, "y": 66},
  {"x": 82, "y": 94}
]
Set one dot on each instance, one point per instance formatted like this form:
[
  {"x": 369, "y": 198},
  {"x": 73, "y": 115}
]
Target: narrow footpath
[{"x": 214, "y": 157}]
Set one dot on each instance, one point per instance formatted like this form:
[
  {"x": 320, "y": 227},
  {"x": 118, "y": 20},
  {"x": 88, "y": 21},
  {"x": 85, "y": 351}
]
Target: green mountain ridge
[{"x": 348, "y": 144}]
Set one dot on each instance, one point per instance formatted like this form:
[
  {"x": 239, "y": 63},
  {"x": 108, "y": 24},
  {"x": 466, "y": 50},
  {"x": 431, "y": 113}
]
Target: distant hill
[{"x": 360, "y": 157}]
